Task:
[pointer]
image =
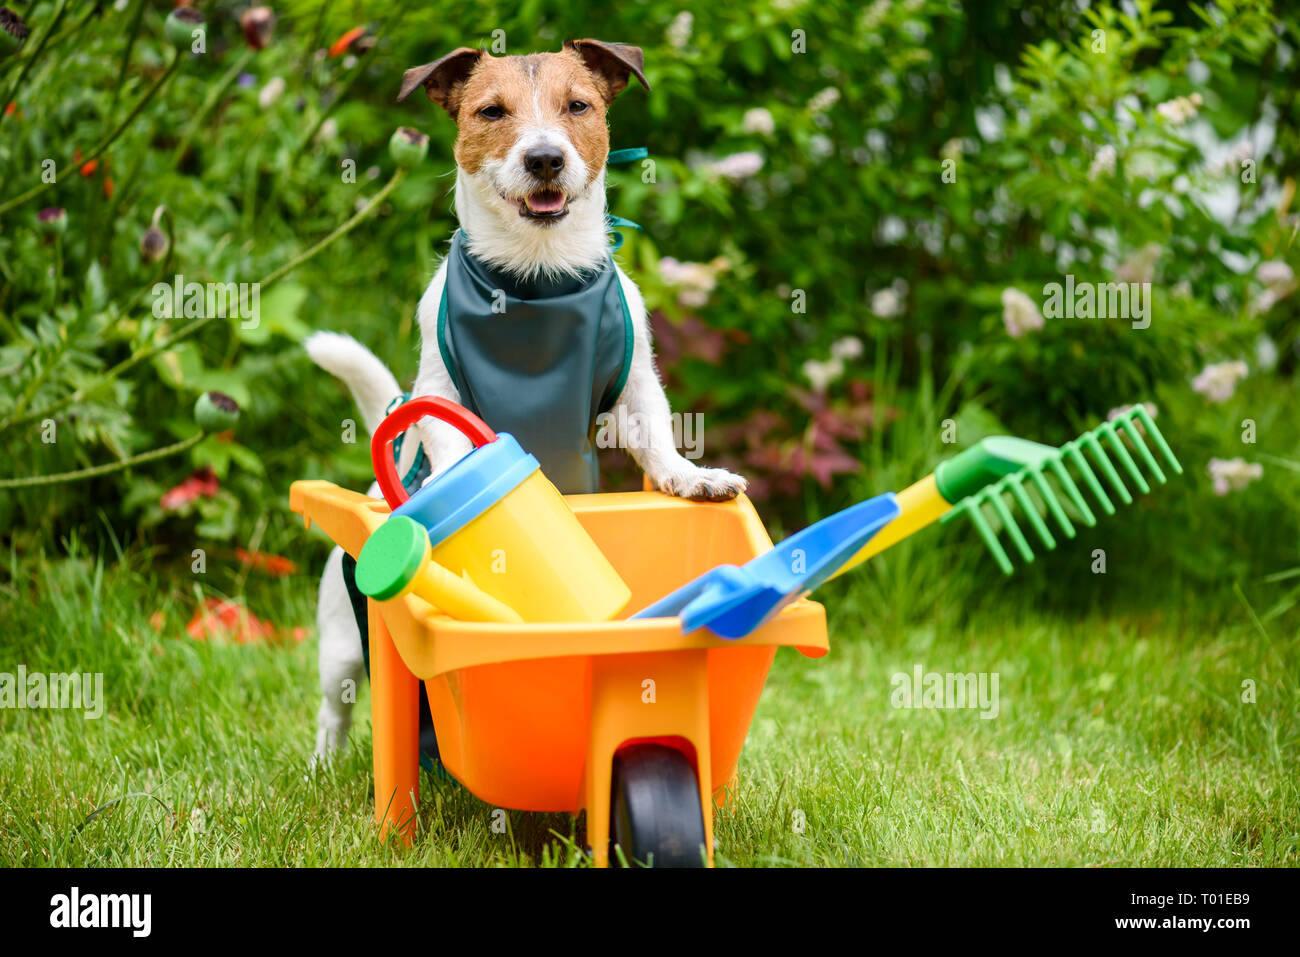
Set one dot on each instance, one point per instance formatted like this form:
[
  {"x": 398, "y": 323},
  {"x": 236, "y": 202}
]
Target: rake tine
[
  {"x": 1034, "y": 518},
  {"x": 1053, "y": 506},
  {"x": 1074, "y": 455},
  {"x": 1122, "y": 451},
  {"x": 1058, "y": 469},
  {"x": 1099, "y": 454},
  {"x": 986, "y": 533},
  {"x": 1143, "y": 416},
  {"x": 1136, "y": 438},
  {"x": 1004, "y": 513}
]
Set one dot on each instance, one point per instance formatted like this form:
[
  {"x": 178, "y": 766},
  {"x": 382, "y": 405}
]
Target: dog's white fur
[{"x": 501, "y": 237}]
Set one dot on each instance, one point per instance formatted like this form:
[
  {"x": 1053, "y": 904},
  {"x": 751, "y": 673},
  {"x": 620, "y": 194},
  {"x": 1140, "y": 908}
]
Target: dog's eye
[
  {"x": 578, "y": 107},
  {"x": 491, "y": 112}
]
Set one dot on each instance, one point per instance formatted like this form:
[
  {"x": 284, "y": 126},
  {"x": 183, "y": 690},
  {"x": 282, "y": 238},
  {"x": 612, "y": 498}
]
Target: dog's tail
[{"x": 372, "y": 385}]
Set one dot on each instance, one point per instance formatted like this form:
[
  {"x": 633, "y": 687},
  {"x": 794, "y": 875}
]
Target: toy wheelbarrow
[{"x": 634, "y": 722}]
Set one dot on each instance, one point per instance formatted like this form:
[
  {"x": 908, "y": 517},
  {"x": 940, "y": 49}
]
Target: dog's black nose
[{"x": 544, "y": 162}]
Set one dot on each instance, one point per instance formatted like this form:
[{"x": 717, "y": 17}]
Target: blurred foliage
[{"x": 852, "y": 186}]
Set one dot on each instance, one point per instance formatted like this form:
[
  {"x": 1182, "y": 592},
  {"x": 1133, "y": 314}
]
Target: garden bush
[{"x": 852, "y": 215}]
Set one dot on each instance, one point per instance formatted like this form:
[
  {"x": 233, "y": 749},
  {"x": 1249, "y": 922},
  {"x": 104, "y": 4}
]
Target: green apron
[{"x": 539, "y": 359}]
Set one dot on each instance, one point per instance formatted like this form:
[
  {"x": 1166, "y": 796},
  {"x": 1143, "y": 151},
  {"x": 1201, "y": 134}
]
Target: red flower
[
  {"x": 200, "y": 484},
  {"x": 222, "y": 618},
  {"x": 340, "y": 46},
  {"x": 275, "y": 565}
]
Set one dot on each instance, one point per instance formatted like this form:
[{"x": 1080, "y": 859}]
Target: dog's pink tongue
[{"x": 546, "y": 201}]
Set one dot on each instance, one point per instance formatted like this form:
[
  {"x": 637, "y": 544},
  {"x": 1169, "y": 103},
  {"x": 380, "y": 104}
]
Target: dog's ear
[
  {"x": 611, "y": 62},
  {"x": 443, "y": 80}
]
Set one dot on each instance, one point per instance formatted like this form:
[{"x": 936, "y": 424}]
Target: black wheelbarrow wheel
[{"x": 655, "y": 815}]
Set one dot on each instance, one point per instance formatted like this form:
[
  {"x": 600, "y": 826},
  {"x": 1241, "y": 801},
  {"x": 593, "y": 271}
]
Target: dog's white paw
[{"x": 710, "y": 485}]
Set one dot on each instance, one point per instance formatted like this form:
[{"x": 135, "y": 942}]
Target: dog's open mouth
[{"x": 544, "y": 204}]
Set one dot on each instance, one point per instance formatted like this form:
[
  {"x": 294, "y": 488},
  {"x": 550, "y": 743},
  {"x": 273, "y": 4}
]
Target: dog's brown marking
[
  {"x": 539, "y": 88},
  {"x": 443, "y": 79},
  {"x": 611, "y": 63}
]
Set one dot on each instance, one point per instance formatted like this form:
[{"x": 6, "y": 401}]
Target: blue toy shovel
[{"x": 732, "y": 601}]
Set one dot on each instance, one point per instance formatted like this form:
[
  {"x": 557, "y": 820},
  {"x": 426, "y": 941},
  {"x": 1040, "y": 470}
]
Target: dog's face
[{"x": 531, "y": 128}]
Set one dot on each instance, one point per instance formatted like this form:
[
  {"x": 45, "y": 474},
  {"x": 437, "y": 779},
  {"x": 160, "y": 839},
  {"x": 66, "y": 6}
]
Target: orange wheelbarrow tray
[{"x": 531, "y": 716}]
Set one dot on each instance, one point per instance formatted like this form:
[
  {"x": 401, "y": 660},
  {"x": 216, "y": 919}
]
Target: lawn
[
  {"x": 1119, "y": 741},
  {"x": 853, "y": 217}
]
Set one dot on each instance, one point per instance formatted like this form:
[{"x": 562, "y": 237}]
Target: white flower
[
  {"x": 737, "y": 165},
  {"x": 679, "y": 31},
  {"x": 1232, "y": 475},
  {"x": 820, "y": 147},
  {"x": 271, "y": 92},
  {"x": 822, "y": 374},
  {"x": 1019, "y": 313},
  {"x": 1217, "y": 382},
  {"x": 1274, "y": 273},
  {"x": 1140, "y": 266},
  {"x": 694, "y": 281},
  {"x": 1266, "y": 353},
  {"x": 824, "y": 100},
  {"x": 1115, "y": 413},
  {"x": 850, "y": 347},
  {"x": 1103, "y": 163},
  {"x": 1180, "y": 109},
  {"x": 328, "y": 130},
  {"x": 886, "y": 303},
  {"x": 758, "y": 122},
  {"x": 1279, "y": 282}
]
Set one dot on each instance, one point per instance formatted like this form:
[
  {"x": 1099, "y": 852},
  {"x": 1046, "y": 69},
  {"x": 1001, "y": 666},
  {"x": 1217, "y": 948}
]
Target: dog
[{"x": 531, "y": 149}]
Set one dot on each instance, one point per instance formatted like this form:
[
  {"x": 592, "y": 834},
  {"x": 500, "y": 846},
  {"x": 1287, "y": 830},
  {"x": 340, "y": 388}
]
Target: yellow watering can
[{"x": 492, "y": 521}]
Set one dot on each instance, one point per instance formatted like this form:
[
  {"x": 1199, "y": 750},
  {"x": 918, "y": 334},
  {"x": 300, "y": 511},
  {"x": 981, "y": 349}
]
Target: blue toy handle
[
  {"x": 671, "y": 605},
  {"x": 733, "y": 601}
]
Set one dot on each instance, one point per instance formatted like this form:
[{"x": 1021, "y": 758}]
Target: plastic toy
[
  {"x": 634, "y": 722},
  {"x": 733, "y": 601},
  {"x": 638, "y": 722},
  {"x": 397, "y": 560},
  {"x": 498, "y": 523},
  {"x": 982, "y": 474}
]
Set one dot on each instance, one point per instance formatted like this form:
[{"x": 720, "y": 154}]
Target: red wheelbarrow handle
[{"x": 405, "y": 416}]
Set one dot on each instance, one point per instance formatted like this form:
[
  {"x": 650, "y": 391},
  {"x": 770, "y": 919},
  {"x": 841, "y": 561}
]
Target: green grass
[{"x": 1118, "y": 742}]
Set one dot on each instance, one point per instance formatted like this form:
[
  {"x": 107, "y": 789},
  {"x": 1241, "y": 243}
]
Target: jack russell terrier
[{"x": 528, "y": 322}]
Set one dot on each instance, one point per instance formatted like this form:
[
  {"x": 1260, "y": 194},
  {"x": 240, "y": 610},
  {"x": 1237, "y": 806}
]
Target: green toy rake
[{"x": 1000, "y": 467}]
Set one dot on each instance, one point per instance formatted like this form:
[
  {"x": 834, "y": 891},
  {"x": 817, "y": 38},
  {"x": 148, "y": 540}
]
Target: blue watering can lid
[{"x": 469, "y": 488}]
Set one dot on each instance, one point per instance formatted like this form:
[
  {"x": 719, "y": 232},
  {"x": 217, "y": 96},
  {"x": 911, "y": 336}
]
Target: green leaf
[
  {"x": 277, "y": 312},
  {"x": 96, "y": 295},
  {"x": 180, "y": 366}
]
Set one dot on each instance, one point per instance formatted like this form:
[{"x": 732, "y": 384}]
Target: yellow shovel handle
[{"x": 919, "y": 505}]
